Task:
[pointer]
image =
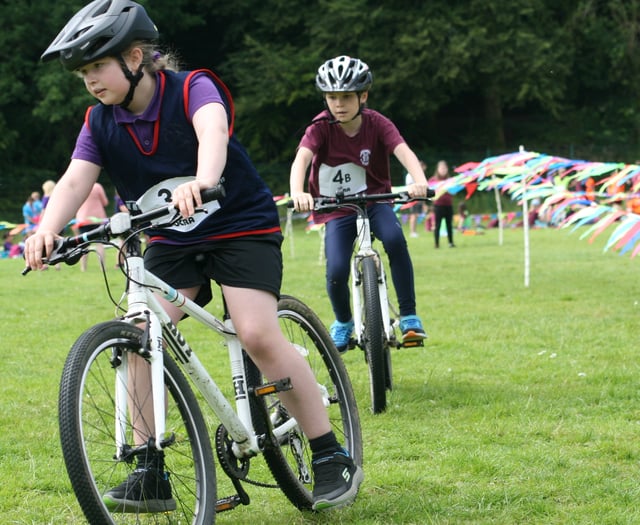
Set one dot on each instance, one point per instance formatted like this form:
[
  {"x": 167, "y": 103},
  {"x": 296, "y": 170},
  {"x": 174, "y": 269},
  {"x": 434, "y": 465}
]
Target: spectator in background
[
  {"x": 416, "y": 209},
  {"x": 443, "y": 204},
  {"x": 8, "y": 244},
  {"x": 89, "y": 215},
  {"x": 31, "y": 212},
  {"x": 47, "y": 189},
  {"x": 590, "y": 189},
  {"x": 463, "y": 216}
]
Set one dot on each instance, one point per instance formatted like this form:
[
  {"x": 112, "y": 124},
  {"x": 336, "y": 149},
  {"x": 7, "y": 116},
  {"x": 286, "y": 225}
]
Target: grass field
[{"x": 523, "y": 406}]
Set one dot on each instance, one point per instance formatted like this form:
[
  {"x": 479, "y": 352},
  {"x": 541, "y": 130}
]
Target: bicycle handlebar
[
  {"x": 70, "y": 249},
  {"x": 340, "y": 199}
]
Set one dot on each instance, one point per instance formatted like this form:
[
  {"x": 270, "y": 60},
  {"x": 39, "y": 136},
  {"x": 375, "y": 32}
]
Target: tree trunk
[{"x": 493, "y": 115}]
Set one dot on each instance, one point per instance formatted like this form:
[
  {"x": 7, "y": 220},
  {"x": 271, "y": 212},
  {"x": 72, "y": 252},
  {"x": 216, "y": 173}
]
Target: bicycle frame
[
  {"x": 143, "y": 306},
  {"x": 98, "y": 411},
  {"x": 374, "y": 328}
]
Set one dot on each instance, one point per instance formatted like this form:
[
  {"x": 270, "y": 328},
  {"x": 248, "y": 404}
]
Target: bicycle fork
[{"x": 366, "y": 250}]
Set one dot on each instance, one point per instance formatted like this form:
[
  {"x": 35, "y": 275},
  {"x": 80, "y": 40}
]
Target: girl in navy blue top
[{"x": 163, "y": 135}]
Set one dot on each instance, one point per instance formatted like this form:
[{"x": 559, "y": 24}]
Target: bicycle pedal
[
  {"x": 413, "y": 344},
  {"x": 274, "y": 387},
  {"x": 229, "y": 503}
]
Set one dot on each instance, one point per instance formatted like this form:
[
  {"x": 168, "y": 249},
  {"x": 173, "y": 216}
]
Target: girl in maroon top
[{"x": 348, "y": 148}]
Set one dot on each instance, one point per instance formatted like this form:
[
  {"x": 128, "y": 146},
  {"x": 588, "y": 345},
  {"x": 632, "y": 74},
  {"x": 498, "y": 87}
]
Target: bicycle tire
[
  {"x": 375, "y": 346},
  {"x": 290, "y": 459},
  {"x": 87, "y": 431}
]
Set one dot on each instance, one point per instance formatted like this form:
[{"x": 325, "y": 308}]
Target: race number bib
[
  {"x": 348, "y": 177},
  {"x": 160, "y": 195}
]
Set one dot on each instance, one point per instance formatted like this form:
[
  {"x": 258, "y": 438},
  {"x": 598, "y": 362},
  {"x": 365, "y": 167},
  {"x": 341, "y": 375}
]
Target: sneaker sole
[
  {"x": 413, "y": 336},
  {"x": 145, "y": 506},
  {"x": 345, "y": 499},
  {"x": 343, "y": 348}
]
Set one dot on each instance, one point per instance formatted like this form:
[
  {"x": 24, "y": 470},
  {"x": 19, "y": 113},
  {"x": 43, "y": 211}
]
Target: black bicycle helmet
[
  {"x": 342, "y": 74},
  {"x": 102, "y": 28}
]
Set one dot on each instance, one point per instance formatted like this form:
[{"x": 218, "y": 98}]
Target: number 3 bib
[
  {"x": 160, "y": 195},
  {"x": 348, "y": 177}
]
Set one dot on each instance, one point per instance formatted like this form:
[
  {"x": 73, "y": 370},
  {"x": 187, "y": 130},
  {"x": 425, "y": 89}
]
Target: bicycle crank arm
[{"x": 232, "y": 502}]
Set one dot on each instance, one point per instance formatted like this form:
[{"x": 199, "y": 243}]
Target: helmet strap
[{"x": 133, "y": 78}]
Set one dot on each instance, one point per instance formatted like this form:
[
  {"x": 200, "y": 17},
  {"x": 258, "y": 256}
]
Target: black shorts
[{"x": 244, "y": 262}]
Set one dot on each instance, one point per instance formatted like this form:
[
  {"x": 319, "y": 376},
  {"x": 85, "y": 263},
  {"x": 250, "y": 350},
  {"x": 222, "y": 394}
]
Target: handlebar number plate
[{"x": 160, "y": 195}]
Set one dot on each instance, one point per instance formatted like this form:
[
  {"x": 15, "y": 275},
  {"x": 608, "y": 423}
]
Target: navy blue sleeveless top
[{"x": 248, "y": 207}]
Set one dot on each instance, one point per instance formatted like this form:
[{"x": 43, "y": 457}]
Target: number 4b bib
[{"x": 348, "y": 177}]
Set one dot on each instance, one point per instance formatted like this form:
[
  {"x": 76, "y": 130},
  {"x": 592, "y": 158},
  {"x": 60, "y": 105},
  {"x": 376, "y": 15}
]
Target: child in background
[{"x": 348, "y": 148}]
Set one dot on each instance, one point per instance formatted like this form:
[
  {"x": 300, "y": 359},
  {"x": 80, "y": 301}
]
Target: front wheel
[
  {"x": 375, "y": 345},
  {"x": 289, "y": 457},
  {"x": 87, "y": 419}
]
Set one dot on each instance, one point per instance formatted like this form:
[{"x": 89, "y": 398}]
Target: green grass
[{"x": 523, "y": 406}]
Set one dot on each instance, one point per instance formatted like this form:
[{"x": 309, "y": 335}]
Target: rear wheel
[
  {"x": 88, "y": 427},
  {"x": 289, "y": 458}
]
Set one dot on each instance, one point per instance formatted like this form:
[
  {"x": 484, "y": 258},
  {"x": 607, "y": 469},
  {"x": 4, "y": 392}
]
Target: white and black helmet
[
  {"x": 102, "y": 28},
  {"x": 343, "y": 74}
]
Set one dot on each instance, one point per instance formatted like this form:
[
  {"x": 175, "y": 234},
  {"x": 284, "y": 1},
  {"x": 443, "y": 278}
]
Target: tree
[{"x": 460, "y": 77}]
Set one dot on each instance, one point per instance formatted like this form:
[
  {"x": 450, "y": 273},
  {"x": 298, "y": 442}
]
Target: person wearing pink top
[
  {"x": 90, "y": 214},
  {"x": 442, "y": 204}
]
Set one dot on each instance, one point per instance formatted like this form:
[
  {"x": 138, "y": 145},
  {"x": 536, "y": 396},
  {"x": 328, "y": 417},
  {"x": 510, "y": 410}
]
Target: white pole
[
  {"x": 288, "y": 231},
  {"x": 496, "y": 192},
  {"x": 525, "y": 226}
]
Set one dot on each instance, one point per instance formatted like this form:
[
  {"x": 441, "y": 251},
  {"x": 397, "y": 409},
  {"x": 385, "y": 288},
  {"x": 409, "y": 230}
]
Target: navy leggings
[{"x": 339, "y": 238}]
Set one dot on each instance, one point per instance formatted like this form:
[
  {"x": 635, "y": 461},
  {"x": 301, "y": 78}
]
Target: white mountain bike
[
  {"x": 96, "y": 404},
  {"x": 374, "y": 316}
]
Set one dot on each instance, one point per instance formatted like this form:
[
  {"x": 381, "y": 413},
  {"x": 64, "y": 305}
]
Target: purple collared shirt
[{"x": 202, "y": 91}]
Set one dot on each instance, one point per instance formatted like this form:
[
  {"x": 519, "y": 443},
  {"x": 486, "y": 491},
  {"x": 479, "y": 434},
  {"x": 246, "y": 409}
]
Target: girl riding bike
[
  {"x": 155, "y": 127},
  {"x": 348, "y": 148}
]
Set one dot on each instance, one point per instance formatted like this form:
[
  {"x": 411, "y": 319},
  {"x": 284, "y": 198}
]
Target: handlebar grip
[
  {"x": 431, "y": 193},
  {"x": 212, "y": 194}
]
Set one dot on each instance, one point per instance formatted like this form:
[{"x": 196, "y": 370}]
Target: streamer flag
[{"x": 574, "y": 193}]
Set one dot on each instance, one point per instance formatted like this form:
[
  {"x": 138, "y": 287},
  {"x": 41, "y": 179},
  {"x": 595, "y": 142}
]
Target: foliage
[{"x": 459, "y": 79}]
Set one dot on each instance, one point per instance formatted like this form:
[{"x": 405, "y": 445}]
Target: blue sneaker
[
  {"x": 341, "y": 334},
  {"x": 412, "y": 331}
]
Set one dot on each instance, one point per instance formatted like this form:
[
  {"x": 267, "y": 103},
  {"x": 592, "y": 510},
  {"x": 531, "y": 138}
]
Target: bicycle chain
[{"x": 232, "y": 466}]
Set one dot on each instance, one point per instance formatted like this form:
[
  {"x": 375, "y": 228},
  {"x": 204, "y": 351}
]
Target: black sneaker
[
  {"x": 337, "y": 480},
  {"x": 145, "y": 490}
]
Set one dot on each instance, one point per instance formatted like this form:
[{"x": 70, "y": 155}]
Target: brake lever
[{"x": 69, "y": 257}]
